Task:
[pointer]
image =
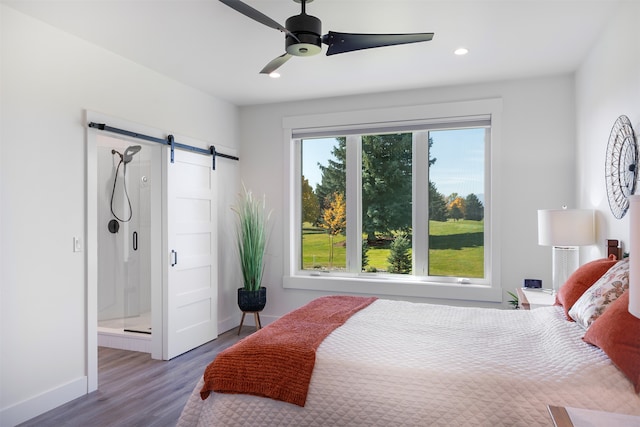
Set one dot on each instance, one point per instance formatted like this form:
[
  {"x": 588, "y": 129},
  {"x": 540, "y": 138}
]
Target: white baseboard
[{"x": 41, "y": 403}]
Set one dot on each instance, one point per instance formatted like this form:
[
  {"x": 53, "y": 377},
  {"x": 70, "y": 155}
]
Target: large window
[
  {"x": 394, "y": 203},
  {"x": 454, "y": 193}
]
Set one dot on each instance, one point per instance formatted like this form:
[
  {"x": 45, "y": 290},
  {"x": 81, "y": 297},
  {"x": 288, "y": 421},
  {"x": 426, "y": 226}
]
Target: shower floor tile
[{"x": 140, "y": 323}]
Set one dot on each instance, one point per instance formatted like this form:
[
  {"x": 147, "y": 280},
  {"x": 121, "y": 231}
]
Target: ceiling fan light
[{"x": 303, "y": 49}]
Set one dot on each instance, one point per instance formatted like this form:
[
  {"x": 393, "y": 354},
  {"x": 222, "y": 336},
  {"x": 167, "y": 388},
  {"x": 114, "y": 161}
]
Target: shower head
[{"x": 130, "y": 152}]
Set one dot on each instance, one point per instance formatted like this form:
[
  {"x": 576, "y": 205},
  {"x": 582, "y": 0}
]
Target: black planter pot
[{"x": 252, "y": 300}]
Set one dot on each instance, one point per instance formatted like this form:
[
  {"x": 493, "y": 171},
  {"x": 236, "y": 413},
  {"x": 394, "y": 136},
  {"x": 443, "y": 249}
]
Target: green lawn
[
  {"x": 456, "y": 249},
  {"x": 315, "y": 250}
]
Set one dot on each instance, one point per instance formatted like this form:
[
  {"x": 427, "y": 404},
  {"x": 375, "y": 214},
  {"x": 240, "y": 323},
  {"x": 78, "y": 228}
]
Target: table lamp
[{"x": 565, "y": 230}]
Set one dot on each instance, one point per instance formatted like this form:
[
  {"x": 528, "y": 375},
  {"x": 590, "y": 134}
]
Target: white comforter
[{"x": 400, "y": 363}]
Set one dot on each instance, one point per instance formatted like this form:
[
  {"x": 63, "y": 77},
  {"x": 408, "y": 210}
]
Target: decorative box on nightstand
[{"x": 528, "y": 299}]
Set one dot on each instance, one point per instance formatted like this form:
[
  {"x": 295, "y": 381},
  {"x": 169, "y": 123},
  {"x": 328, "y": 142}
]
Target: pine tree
[
  {"x": 386, "y": 183},
  {"x": 437, "y": 204},
  {"x": 474, "y": 210},
  {"x": 365, "y": 255},
  {"x": 399, "y": 258},
  {"x": 334, "y": 174}
]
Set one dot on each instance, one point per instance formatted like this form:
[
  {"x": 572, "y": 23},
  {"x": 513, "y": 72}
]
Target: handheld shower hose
[{"x": 124, "y": 159}]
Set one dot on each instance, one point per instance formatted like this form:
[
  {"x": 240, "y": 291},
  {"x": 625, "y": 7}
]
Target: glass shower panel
[{"x": 137, "y": 244}]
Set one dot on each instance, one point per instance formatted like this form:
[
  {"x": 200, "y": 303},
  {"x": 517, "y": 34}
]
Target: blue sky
[
  {"x": 458, "y": 168},
  {"x": 459, "y": 165},
  {"x": 316, "y": 151}
]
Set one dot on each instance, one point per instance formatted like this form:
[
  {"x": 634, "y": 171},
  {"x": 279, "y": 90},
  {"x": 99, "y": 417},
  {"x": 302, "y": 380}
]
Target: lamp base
[{"x": 565, "y": 262}]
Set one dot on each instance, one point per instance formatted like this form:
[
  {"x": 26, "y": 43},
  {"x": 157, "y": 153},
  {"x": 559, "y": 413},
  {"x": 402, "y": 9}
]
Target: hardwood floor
[{"x": 135, "y": 390}]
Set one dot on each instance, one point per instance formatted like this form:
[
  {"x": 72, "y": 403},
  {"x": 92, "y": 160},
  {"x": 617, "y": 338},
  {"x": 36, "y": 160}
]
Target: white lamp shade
[
  {"x": 634, "y": 255},
  {"x": 566, "y": 227}
]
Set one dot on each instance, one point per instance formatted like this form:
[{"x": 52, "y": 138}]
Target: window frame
[{"x": 298, "y": 127}]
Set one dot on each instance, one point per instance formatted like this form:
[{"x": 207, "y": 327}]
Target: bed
[{"x": 403, "y": 363}]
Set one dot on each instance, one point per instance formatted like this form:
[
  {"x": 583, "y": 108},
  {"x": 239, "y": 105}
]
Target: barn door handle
[{"x": 174, "y": 257}]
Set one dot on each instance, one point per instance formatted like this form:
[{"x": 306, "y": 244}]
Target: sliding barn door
[{"x": 190, "y": 296}]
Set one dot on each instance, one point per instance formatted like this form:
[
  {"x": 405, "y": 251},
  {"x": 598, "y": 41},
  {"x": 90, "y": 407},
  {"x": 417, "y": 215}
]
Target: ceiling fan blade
[
  {"x": 275, "y": 64},
  {"x": 347, "y": 42},
  {"x": 256, "y": 15}
]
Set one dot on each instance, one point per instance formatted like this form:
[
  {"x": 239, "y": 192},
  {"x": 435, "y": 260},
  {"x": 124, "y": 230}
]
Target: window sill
[{"x": 389, "y": 287}]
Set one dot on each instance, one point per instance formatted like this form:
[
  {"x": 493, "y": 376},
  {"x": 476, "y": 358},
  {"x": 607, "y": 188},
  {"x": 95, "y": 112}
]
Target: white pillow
[{"x": 601, "y": 294}]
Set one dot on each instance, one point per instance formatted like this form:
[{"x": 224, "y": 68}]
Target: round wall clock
[{"x": 621, "y": 168}]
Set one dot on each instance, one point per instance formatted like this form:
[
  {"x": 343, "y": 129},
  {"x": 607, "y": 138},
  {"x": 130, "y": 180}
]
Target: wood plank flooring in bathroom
[{"x": 135, "y": 390}]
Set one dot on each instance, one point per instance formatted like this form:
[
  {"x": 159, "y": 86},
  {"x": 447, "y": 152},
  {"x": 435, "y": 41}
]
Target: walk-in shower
[{"x": 124, "y": 210}]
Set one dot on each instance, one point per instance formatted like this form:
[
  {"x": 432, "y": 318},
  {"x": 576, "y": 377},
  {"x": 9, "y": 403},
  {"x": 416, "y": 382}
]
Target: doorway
[
  {"x": 128, "y": 196},
  {"x": 181, "y": 188}
]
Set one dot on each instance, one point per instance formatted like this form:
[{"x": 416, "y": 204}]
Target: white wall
[
  {"x": 48, "y": 79},
  {"x": 537, "y": 164},
  {"x": 607, "y": 86}
]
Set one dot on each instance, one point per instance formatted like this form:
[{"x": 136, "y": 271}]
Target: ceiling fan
[{"x": 303, "y": 35}]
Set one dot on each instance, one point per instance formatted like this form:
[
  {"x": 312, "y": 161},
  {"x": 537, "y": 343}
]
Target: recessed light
[
  {"x": 274, "y": 75},
  {"x": 461, "y": 51}
]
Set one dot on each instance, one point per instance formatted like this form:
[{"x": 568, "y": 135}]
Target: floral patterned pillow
[
  {"x": 581, "y": 280},
  {"x": 601, "y": 294}
]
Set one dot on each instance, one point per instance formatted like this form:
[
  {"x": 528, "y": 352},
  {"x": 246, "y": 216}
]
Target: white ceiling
[{"x": 211, "y": 47}]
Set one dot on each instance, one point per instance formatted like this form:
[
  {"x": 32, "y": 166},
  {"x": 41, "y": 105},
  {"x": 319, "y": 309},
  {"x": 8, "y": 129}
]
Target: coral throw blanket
[{"x": 277, "y": 361}]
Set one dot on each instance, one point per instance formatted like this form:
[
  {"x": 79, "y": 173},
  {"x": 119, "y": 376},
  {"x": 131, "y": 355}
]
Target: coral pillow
[
  {"x": 599, "y": 297},
  {"x": 580, "y": 281},
  {"x": 616, "y": 332}
]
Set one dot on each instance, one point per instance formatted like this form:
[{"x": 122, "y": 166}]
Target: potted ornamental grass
[{"x": 251, "y": 239}]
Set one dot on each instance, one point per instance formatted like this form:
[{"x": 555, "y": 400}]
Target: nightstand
[
  {"x": 577, "y": 417},
  {"x": 529, "y": 299}
]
